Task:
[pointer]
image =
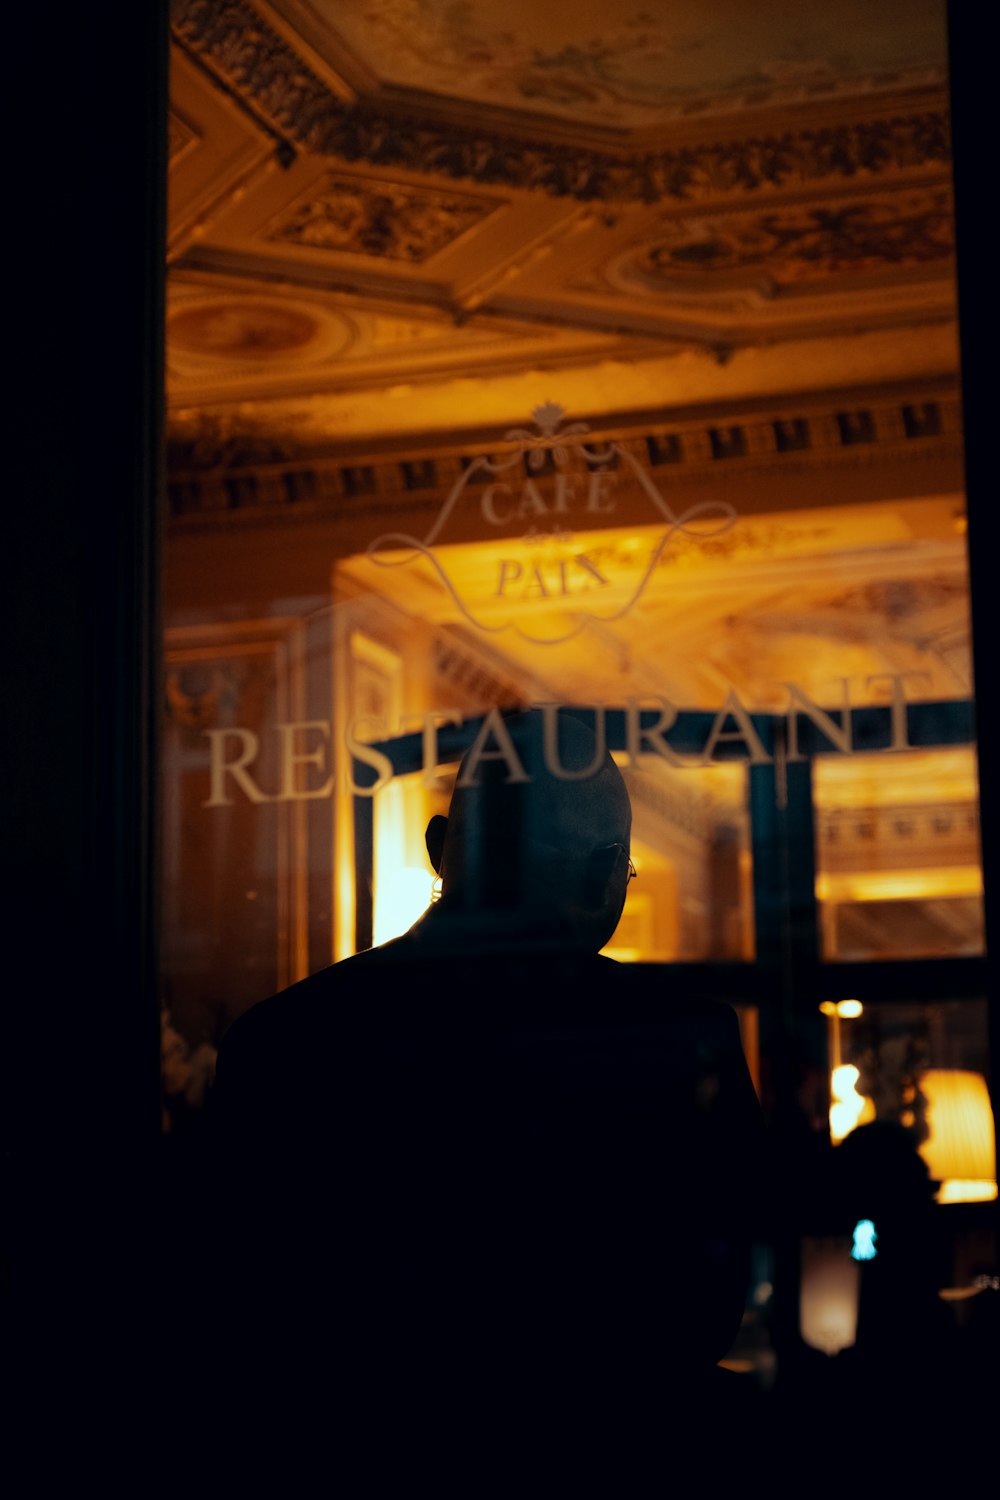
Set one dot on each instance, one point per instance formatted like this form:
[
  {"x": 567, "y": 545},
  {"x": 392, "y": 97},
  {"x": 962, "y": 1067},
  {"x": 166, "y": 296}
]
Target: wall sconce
[
  {"x": 848, "y": 1108},
  {"x": 960, "y": 1151}
]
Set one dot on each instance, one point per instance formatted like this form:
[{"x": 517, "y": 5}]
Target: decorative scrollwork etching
[{"x": 705, "y": 519}]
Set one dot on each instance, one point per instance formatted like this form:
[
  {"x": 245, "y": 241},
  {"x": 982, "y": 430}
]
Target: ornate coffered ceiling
[
  {"x": 720, "y": 235},
  {"x": 397, "y": 219}
]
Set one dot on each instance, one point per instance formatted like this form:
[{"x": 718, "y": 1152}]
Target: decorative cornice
[
  {"x": 218, "y": 478},
  {"x": 253, "y": 60}
]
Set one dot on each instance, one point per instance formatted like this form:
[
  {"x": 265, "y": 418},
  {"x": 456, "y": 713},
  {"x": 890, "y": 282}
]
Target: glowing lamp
[
  {"x": 960, "y": 1151},
  {"x": 848, "y": 1108},
  {"x": 829, "y": 1285}
]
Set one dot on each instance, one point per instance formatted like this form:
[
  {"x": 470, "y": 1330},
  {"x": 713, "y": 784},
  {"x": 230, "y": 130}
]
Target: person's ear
[{"x": 434, "y": 839}]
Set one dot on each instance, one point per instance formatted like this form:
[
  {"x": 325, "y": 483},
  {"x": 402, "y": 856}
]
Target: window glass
[{"x": 643, "y": 409}]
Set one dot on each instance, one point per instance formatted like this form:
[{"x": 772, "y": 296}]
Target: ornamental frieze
[
  {"x": 213, "y": 469},
  {"x": 250, "y": 57}
]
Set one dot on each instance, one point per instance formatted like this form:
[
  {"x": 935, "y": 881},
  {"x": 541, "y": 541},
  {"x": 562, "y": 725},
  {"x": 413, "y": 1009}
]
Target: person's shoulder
[
  {"x": 284, "y": 1005},
  {"x": 316, "y": 998}
]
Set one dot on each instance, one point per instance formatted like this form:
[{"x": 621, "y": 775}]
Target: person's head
[{"x": 538, "y": 831}]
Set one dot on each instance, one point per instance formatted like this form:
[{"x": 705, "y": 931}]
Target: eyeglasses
[{"x": 632, "y": 871}]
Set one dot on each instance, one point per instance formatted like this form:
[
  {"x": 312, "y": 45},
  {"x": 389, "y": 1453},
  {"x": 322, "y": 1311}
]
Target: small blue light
[{"x": 864, "y": 1240}]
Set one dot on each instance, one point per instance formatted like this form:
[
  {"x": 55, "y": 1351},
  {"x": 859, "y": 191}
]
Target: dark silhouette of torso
[
  {"x": 537, "y": 1173},
  {"x": 483, "y": 1174}
]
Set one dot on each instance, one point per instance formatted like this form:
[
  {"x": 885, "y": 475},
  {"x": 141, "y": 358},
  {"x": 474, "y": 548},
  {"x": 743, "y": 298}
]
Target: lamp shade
[
  {"x": 961, "y": 1144},
  {"x": 829, "y": 1287}
]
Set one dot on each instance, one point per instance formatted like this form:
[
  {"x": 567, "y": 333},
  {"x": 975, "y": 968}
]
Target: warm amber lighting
[
  {"x": 966, "y": 1190},
  {"x": 848, "y": 1010},
  {"x": 400, "y": 900},
  {"x": 849, "y": 1108},
  {"x": 931, "y": 883},
  {"x": 941, "y": 776},
  {"x": 960, "y": 1151}
]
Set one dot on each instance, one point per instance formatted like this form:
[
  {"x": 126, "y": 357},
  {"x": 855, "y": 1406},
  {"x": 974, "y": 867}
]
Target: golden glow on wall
[
  {"x": 401, "y": 896},
  {"x": 898, "y": 861},
  {"x": 402, "y": 879},
  {"x": 804, "y": 596},
  {"x": 901, "y": 885},
  {"x": 862, "y": 781}
]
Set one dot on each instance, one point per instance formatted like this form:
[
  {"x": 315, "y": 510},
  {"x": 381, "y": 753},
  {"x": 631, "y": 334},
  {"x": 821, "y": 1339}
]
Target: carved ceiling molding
[
  {"x": 255, "y": 62},
  {"x": 795, "y": 245},
  {"x": 222, "y": 476},
  {"x": 387, "y": 220},
  {"x": 181, "y": 137}
]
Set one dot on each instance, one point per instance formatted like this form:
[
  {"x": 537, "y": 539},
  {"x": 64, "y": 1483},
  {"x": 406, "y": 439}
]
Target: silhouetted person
[
  {"x": 492, "y": 1175},
  {"x": 908, "y": 1354},
  {"x": 905, "y": 1390}
]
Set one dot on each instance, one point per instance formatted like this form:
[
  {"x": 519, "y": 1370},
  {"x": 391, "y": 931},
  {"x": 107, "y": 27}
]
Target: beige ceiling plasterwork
[
  {"x": 640, "y": 64},
  {"x": 357, "y": 344},
  {"x": 214, "y": 151},
  {"x": 181, "y": 137}
]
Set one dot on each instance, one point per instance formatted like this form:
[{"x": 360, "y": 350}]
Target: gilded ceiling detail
[
  {"x": 362, "y": 280},
  {"x": 803, "y": 243},
  {"x": 379, "y": 218},
  {"x": 253, "y": 60}
]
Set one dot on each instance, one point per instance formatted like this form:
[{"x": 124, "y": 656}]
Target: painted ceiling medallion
[
  {"x": 640, "y": 65},
  {"x": 384, "y": 219},
  {"x": 242, "y": 329}
]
